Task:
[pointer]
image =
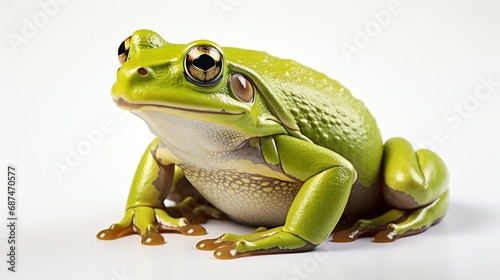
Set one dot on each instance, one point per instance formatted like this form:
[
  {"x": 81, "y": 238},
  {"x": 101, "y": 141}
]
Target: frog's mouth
[{"x": 135, "y": 106}]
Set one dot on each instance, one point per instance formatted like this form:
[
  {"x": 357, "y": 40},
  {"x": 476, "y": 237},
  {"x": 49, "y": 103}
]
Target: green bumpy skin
[{"x": 267, "y": 142}]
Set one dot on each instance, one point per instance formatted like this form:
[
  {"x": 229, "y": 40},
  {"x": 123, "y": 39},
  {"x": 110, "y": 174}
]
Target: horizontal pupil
[
  {"x": 121, "y": 49},
  {"x": 204, "y": 62}
]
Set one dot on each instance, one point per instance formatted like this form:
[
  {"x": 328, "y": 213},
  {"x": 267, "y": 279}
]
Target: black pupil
[
  {"x": 121, "y": 48},
  {"x": 204, "y": 62}
]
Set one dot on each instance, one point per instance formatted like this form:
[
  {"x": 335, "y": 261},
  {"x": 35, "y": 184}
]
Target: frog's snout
[
  {"x": 122, "y": 103},
  {"x": 128, "y": 77}
]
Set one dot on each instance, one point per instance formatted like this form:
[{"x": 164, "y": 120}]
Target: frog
[{"x": 268, "y": 143}]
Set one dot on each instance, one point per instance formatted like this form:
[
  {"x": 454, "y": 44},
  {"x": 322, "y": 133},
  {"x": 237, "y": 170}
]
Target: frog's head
[{"x": 199, "y": 80}]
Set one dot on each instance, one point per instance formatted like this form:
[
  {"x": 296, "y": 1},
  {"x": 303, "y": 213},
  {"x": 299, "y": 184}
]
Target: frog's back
[{"x": 324, "y": 111}]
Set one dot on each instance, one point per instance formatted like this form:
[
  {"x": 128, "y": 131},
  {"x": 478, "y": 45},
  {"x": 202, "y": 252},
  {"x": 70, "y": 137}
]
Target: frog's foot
[
  {"x": 369, "y": 227},
  {"x": 195, "y": 212},
  {"x": 396, "y": 223},
  {"x": 149, "y": 223},
  {"x": 261, "y": 242},
  {"x": 415, "y": 186}
]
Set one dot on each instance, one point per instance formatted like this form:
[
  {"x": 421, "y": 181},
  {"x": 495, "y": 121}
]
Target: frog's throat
[{"x": 122, "y": 103}]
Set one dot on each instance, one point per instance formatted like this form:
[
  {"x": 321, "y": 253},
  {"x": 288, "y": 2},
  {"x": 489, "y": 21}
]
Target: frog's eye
[
  {"x": 242, "y": 88},
  {"x": 123, "y": 50},
  {"x": 203, "y": 66}
]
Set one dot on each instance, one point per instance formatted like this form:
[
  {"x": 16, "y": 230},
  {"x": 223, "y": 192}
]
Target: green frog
[{"x": 266, "y": 142}]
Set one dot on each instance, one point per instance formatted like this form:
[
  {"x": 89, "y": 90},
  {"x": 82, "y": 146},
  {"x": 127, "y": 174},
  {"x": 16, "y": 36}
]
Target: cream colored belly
[{"x": 246, "y": 198}]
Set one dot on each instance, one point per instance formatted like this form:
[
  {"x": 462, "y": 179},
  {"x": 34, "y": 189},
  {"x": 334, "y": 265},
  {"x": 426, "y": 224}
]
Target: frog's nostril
[{"x": 142, "y": 71}]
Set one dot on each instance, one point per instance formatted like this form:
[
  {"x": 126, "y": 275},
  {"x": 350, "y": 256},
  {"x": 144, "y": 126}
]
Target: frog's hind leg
[
  {"x": 416, "y": 190},
  {"x": 396, "y": 223}
]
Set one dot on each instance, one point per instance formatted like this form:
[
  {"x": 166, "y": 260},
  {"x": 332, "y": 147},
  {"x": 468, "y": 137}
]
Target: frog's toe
[
  {"x": 347, "y": 235},
  {"x": 212, "y": 244},
  {"x": 387, "y": 235},
  {"x": 181, "y": 225},
  {"x": 115, "y": 231},
  {"x": 123, "y": 228},
  {"x": 405, "y": 228},
  {"x": 152, "y": 237},
  {"x": 195, "y": 212},
  {"x": 226, "y": 253},
  {"x": 365, "y": 227},
  {"x": 192, "y": 229},
  {"x": 238, "y": 250},
  {"x": 149, "y": 223},
  {"x": 382, "y": 233},
  {"x": 230, "y": 246},
  {"x": 226, "y": 239},
  {"x": 397, "y": 223}
]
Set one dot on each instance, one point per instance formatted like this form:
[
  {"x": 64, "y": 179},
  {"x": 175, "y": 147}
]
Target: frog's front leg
[
  {"x": 315, "y": 210},
  {"x": 145, "y": 212},
  {"x": 416, "y": 188}
]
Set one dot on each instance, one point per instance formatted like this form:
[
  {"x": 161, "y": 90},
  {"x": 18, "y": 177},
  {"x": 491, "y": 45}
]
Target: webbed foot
[
  {"x": 396, "y": 223},
  {"x": 261, "y": 242},
  {"x": 149, "y": 223}
]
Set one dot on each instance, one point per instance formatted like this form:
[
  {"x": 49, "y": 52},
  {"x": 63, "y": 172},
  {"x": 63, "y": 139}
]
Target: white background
[{"x": 415, "y": 71}]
